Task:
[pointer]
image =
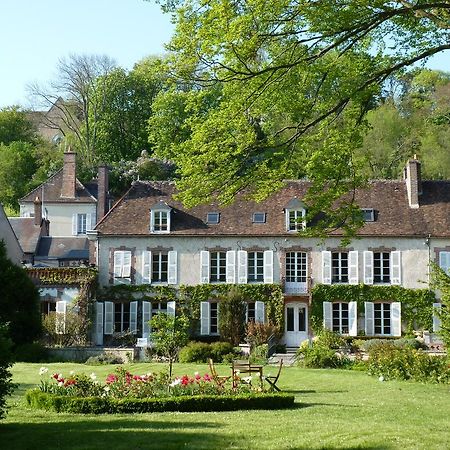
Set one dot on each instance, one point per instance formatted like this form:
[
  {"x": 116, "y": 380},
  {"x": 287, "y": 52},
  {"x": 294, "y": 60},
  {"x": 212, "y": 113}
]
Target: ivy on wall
[
  {"x": 188, "y": 298},
  {"x": 417, "y": 304}
]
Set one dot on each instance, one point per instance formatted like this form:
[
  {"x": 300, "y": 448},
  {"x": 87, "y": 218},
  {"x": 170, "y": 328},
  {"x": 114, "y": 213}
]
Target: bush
[
  {"x": 76, "y": 329},
  {"x": 405, "y": 363},
  {"x": 258, "y": 354},
  {"x": 232, "y": 316},
  {"x": 259, "y": 333},
  {"x": 102, "y": 405},
  {"x": 329, "y": 339},
  {"x": 32, "y": 353},
  {"x": 200, "y": 352},
  {"x": 105, "y": 358},
  {"x": 6, "y": 385},
  {"x": 319, "y": 357}
]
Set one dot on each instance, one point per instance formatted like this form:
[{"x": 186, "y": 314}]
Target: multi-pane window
[
  {"x": 48, "y": 307},
  {"x": 81, "y": 223},
  {"x": 382, "y": 318},
  {"x": 444, "y": 261},
  {"x": 296, "y": 219},
  {"x": 251, "y": 312},
  {"x": 296, "y": 267},
  {"x": 121, "y": 317},
  {"x": 159, "y": 307},
  {"x": 160, "y": 221},
  {"x": 339, "y": 267},
  {"x": 159, "y": 267},
  {"x": 214, "y": 318},
  {"x": 381, "y": 267},
  {"x": 255, "y": 261},
  {"x": 340, "y": 318},
  {"x": 218, "y": 266}
]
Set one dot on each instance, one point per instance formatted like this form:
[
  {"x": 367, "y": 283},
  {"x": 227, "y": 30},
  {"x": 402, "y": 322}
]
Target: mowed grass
[{"x": 334, "y": 409}]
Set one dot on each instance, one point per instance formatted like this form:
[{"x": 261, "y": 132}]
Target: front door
[{"x": 296, "y": 324}]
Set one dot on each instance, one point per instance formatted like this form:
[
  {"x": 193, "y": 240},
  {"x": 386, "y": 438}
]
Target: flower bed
[{"x": 124, "y": 392}]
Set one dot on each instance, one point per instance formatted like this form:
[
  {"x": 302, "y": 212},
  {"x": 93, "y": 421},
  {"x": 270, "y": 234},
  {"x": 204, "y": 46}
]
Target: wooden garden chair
[
  {"x": 220, "y": 380},
  {"x": 272, "y": 380}
]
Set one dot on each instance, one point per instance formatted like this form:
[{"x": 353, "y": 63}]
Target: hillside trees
[{"x": 296, "y": 80}]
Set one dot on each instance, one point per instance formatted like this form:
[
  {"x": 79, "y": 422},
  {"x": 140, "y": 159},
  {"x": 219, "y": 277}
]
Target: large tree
[
  {"x": 15, "y": 126},
  {"x": 296, "y": 79}
]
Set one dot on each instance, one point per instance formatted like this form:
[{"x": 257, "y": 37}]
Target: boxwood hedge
[{"x": 104, "y": 405}]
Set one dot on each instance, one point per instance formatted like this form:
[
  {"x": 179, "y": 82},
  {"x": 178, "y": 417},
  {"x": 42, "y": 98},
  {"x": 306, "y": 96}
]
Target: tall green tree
[
  {"x": 296, "y": 81},
  {"x": 15, "y": 126}
]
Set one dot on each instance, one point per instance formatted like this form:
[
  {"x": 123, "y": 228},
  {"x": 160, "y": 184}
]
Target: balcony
[{"x": 296, "y": 288}]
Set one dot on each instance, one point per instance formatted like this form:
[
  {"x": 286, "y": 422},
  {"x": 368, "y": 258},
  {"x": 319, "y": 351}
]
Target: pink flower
[
  {"x": 197, "y": 376},
  {"x": 111, "y": 378},
  {"x": 207, "y": 377},
  {"x": 137, "y": 378},
  {"x": 185, "y": 380}
]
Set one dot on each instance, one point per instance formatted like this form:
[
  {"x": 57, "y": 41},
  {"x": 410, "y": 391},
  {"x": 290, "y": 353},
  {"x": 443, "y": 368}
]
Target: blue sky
[{"x": 34, "y": 34}]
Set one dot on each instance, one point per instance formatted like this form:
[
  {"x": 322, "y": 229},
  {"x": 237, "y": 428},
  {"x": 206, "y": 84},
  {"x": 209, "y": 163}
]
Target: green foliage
[
  {"x": 30, "y": 352},
  {"x": 105, "y": 358},
  {"x": 99, "y": 405},
  {"x": 15, "y": 126},
  {"x": 404, "y": 363},
  {"x": 201, "y": 352},
  {"x": 232, "y": 316},
  {"x": 318, "y": 357},
  {"x": 257, "y": 333},
  {"x": 169, "y": 335},
  {"x": 19, "y": 301},
  {"x": 330, "y": 339},
  {"x": 6, "y": 385},
  {"x": 417, "y": 304},
  {"x": 258, "y": 354},
  {"x": 441, "y": 281}
]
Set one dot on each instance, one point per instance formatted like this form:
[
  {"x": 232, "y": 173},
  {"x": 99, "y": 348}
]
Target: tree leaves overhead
[{"x": 291, "y": 82}]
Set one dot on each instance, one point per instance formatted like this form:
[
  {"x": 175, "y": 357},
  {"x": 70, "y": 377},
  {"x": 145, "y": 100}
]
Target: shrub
[
  {"x": 319, "y": 357},
  {"x": 6, "y": 385},
  {"x": 105, "y": 358},
  {"x": 220, "y": 349},
  {"x": 75, "y": 329},
  {"x": 329, "y": 339},
  {"x": 102, "y": 405},
  {"x": 259, "y": 333},
  {"x": 32, "y": 353},
  {"x": 201, "y": 351},
  {"x": 232, "y": 316},
  {"x": 258, "y": 355}
]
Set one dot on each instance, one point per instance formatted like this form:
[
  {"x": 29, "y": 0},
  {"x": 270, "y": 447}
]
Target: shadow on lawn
[{"x": 133, "y": 433}]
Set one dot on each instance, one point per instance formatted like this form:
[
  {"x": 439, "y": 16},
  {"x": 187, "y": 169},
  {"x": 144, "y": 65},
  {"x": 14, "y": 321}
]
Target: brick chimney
[
  {"x": 412, "y": 177},
  {"x": 69, "y": 175},
  {"x": 103, "y": 187},
  {"x": 37, "y": 211}
]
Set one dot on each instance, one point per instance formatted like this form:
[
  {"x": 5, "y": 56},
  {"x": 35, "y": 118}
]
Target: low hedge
[{"x": 103, "y": 405}]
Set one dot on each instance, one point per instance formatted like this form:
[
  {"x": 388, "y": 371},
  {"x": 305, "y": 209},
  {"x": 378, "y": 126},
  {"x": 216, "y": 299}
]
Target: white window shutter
[
  {"x": 74, "y": 224},
  {"x": 61, "y": 309},
  {"x": 396, "y": 319},
  {"x": 327, "y": 315},
  {"x": 368, "y": 267},
  {"x": 352, "y": 319},
  {"x": 444, "y": 261},
  {"x": 126, "y": 268},
  {"x": 396, "y": 272},
  {"x": 146, "y": 267},
  {"x": 205, "y": 308},
  {"x": 133, "y": 317},
  {"x": 171, "y": 308},
  {"x": 172, "y": 277},
  {"x": 204, "y": 267},
  {"x": 268, "y": 266},
  {"x": 146, "y": 317},
  {"x": 90, "y": 221},
  {"x": 109, "y": 317},
  {"x": 118, "y": 264},
  {"x": 259, "y": 312},
  {"x": 369, "y": 318},
  {"x": 437, "y": 307},
  {"x": 286, "y": 216},
  {"x": 326, "y": 267},
  {"x": 231, "y": 267},
  {"x": 242, "y": 266},
  {"x": 353, "y": 267},
  {"x": 98, "y": 323}
]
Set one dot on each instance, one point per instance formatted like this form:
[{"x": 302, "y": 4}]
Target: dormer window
[
  {"x": 259, "y": 217},
  {"x": 295, "y": 215},
  {"x": 212, "y": 218},
  {"x": 160, "y": 218},
  {"x": 368, "y": 214}
]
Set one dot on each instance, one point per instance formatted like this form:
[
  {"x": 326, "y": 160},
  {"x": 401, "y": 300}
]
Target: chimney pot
[
  {"x": 68, "y": 187},
  {"x": 37, "y": 211},
  {"x": 412, "y": 176}
]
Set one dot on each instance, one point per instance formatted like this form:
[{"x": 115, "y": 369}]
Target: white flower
[
  {"x": 60, "y": 376},
  {"x": 43, "y": 370},
  {"x": 381, "y": 378},
  {"x": 107, "y": 388},
  {"x": 175, "y": 382},
  {"x": 71, "y": 372},
  {"x": 92, "y": 376},
  {"x": 61, "y": 383},
  {"x": 196, "y": 373}
]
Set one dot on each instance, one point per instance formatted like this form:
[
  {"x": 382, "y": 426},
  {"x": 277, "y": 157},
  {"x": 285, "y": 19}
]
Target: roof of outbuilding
[
  {"x": 394, "y": 217},
  {"x": 63, "y": 248},
  {"x": 27, "y": 232}
]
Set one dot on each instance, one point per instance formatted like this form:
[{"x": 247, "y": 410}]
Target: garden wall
[{"x": 81, "y": 354}]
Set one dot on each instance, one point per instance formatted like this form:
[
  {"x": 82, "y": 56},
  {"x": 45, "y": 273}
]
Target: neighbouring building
[
  {"x": 149, "y": 238},
  {"x": 7, "y": 235}
]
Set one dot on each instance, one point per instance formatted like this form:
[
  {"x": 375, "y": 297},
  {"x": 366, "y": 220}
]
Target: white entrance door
[{"x": 296, "y": 324}]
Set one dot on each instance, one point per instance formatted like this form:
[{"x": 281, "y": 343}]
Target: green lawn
[{"x": 335, "y": 409}]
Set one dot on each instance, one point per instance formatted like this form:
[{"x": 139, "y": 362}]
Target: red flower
[
  {"x": 137, "y": 378},
  {"x": 70, "y": 382},
  {"x": 184, "y": 380},
  {"x": 111, "y": 378},
  {"x": 206, "y": 377}
]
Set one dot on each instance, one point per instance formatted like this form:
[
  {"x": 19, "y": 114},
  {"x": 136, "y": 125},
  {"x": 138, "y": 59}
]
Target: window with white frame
[
  {"x": 81, "y": 223},
  {"x": 444, "y": 261},
  {"x": 121, "y": 317},
  {"x": 160, "y": 262},
  {"x": 251, "y": 312},
  {"x": 296, "y": 267},
  {"x": 295, "y": 219},
  {"x": 382, "y": 318},
  {"x": 255, "y": 271},
  {"x": 381, "y": 267},
  {"x": 217, "y": 267},
  {"x": 122, "y": 266},
  {"x": 259, "y": 217},
  {"x": 339, "y": 267},
  {"x": 340, "y": 317},
  {"x": 159, "y": 307},
  {"x": 160, "y": 221}
]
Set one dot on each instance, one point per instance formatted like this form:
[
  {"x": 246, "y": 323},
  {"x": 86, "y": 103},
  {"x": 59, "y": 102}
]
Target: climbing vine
[{"x": 417, "y": 304}]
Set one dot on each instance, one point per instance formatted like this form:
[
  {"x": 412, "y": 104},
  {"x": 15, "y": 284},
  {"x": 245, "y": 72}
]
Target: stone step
[{"x": 288, "y": 358}]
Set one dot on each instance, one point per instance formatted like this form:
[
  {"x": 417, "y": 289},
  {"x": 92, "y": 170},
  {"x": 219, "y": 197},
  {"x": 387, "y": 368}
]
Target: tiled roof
[
  {"x": 52, "y": 192},
  {"x": 63, "y": 248},
  {"x": 27, "y": 232},
  {"x": 394, "y": 217}
]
